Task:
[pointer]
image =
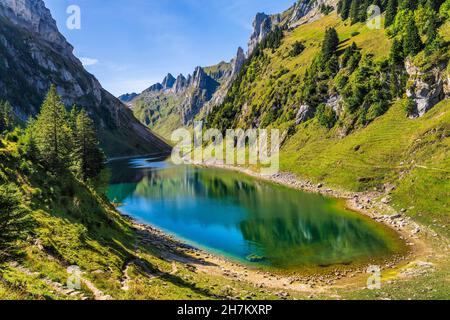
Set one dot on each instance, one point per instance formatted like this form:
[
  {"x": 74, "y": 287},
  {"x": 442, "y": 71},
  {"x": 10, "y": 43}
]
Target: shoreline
[{"x": 337, "y": 276}]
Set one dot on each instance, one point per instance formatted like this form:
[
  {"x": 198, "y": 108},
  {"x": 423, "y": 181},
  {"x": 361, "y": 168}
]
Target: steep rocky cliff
[
  {"x": 303, "y": 11},
  {"x": 426, "y": 87},
  {"x": 34, "y": 55}
]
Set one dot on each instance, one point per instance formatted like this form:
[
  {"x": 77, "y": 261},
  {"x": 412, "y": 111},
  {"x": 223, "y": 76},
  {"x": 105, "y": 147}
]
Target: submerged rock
[{"x": 255, "y": 258}]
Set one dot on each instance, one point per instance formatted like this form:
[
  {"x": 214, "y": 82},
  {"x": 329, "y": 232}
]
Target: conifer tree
[
  {"x": 53, "y": 134},
  {"x": 435, "y": 4},
  {"x": 397, "y": 70},
  {"x": 88, "y": 155},
  {"x": 412, "y": 43},
  {"x": 345, "y": 9},
  {"x": 330, "y": 44},
  {"x": 391, "y": 12},
  {"x": 363, "y": 10},
  {"x": 6, "y": 116},
  {"x": 408, "y": 4},
  {"x": 28, "y": 140},
  {"x": 13, "y": 219},
  {"x": 355, "y": 11},
  {"x": 431, "y": 29},
  {"x": 396, "y": 57}
]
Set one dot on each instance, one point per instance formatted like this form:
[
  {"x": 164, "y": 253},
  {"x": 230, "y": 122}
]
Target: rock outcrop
[
  {"x": 180, "y": 84},
  {"x": 168, "y": 82},
  {"x": 304, "y": 113},
  {"x": 33, "y": 16},
  {"x": 426, "y": 88},
  {"x": 303, "y": 11},
  {"x": 263, "y": 24},
  {"x": 238, "y": 62},
  {"x": 35, "y": 55}
]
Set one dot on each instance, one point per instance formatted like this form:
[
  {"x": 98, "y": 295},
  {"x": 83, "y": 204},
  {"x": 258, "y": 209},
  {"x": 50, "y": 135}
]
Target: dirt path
[{"x": 56, "y": 286}]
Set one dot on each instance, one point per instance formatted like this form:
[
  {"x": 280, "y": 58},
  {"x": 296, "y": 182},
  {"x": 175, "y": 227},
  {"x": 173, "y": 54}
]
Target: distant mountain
[
  {"x": 128, "y": 97},
  {"x": 175, "y": 102},
  {"x": 35, "y": 55}
]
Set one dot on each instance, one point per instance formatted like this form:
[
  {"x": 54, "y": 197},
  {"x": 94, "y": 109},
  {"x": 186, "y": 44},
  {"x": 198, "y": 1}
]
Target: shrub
[
  {"x": 297, "y": 48},
  {"x": 410, "y": 106},
  {"x": 326, "y": 116}
]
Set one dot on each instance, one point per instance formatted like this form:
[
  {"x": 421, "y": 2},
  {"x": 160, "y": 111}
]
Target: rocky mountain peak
[
  {"x": 180, "y": 83},
  {"x": 199, "y": 78},
  {"x": 154, "y": 88},
  {"x": 168, "y": 82},
  {"x": 303, "y": 11},
  {"x": 238, "y": 62},
  {"x": 33, "y": 16},
  {"x": 262, "y": 25},
  {"x": 127, "y": 97}
]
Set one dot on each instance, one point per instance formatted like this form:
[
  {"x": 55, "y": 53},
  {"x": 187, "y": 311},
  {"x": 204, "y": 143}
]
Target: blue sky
[{"x": 131, "y": 44}]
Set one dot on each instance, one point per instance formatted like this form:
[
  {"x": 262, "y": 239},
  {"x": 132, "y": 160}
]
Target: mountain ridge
[{"x": 180, "y": 110}]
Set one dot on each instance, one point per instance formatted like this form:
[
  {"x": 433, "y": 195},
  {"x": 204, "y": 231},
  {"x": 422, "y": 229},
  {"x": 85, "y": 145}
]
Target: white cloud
[{"x": 88, "y": 61}]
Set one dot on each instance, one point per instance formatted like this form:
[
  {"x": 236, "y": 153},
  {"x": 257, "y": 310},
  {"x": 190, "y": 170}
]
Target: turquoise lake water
[{"x": 243, "y": 218}]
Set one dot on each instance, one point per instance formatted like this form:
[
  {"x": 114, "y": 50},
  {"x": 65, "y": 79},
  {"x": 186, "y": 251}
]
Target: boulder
[{"x": 304, "y": 113}]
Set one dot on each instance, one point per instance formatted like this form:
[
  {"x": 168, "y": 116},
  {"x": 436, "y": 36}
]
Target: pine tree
[
  {"x": 412, "y": 44},
  {"x": 88, "y": 155},
  {"x": 391, "y": 12},
  {"x": 73, "y": 118},
  {"x": 396, "y": 57},
  {"x": 431, "y": 29},
  {"x": 355, "y": 11},
  {"x": 345, "y": 9},
  {"x": 330, "y": 44},
  {"x": 408, "y": 4},
  {"x": 28, "y": 141},
  {"x": 397, "y": 69},
  {"x": 53, "y": 134},
  {"x": 13, "y": 220},
  {"x": 6, "y": 116},
  {"x": 435, "y": 4},
  {"x": 363, "y": 10}
]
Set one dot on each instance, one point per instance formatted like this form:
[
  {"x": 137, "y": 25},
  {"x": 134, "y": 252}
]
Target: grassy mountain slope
[
  {"x": 412, "y": 154},
  {"x": 271, "y": 83},
  {"x": 159, "y": 111},
  {"x": 73, "y": 224},
  {"x": 409, "y": 154},
  {"x": 162, "y": 111}
]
